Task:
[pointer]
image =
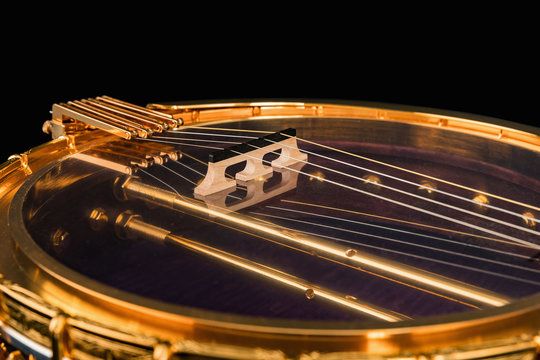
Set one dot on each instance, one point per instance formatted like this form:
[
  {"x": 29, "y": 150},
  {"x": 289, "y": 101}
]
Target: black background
[{"x": 487, "y": 72}]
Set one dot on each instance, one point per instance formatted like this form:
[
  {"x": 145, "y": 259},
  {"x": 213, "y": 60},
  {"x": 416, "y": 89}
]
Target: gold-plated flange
[{"x": 67, "y": 315}]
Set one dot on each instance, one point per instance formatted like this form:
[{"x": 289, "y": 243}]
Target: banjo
[{"x": 271, "y": 230}]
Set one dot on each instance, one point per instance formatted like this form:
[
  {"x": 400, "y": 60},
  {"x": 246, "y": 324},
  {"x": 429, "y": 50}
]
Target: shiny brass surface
[
  {"x": 529, "y": 219},
  {"x": 481, "y": 202},
  {"x": 132, "y": 226},
  {"x": 111, "y": 115},
  {"x": 135, "y": 189},
  {"x": 525, "y": 136},
  {"x": 65, "y": 314}
]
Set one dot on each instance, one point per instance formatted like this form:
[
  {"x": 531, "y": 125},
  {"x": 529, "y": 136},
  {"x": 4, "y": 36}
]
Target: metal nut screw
[
  {"x": 59, "y": 237},
  {"x": 98, "y": 219}
]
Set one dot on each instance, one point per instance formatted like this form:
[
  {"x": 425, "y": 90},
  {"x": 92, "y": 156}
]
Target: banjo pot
[{"x": 252, "y": 230}]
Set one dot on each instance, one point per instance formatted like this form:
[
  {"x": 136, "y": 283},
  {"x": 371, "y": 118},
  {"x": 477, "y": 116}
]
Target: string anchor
[{"x": 252, "y": 152}]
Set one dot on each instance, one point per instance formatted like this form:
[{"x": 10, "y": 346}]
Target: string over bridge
[{"x": 252, "y": 152}]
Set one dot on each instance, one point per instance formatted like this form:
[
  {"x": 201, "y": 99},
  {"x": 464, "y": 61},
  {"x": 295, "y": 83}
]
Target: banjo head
[{"x": 272, "y": 230}]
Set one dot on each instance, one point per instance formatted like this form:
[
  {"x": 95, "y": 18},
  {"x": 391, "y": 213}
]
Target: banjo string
[
  {"x": 364, "y": 158},
  {"x": 437, "y": 238},
  {"x": 393, "y": 240},
  {"x": 371, "y": 215},
  {"x": 410, "y": 206},
  {"x": 424, "y": 198}
]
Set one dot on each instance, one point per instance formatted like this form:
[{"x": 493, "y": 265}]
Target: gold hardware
[
  {"x": 310, "y": 294},
  {"x": 372, "y": 182},
  {"x": 119, "y": 165},
  {"x": 381, "y": 115},
  {"x": 480, "y": 203},
  {"x": 149, "y": 124},
  {"x": 350, "y": 252},
  {"x": 428, "y": 188},
  {"x": 111, "y": 115},
  {"x": 15, "y": 355},
  {"x": 167, "y": 120},
  {"x": 60, "y": 237},
  {"x": 138, "y": 128},
  {"x": 132, "y": 188},
  {"x": 219, "y": 351},
  {"x": 98, "y": 219},
  {"x": 476, "y": 328},
  {"x": 529, "y": 219},
  {"x": 255, "y": 111},
  {"x": 23, "y": 160},
  {"x": 162, "y": 351},
  {"x": 124, "y": 156},
  {"x": 132, "y": 226},
  {"x": 70, "y": 142},
  {"x": 195, "y": 116},
  {"x": 59, "y": 337},
  {"x": 377, "y": 334},
  {"x": 536, "y": 340},
  {"x": 316, "y": 175},
  {"x": 62, "y": 111}
]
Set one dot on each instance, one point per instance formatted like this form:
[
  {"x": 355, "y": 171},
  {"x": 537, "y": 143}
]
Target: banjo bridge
[{"x": 252, "y": 153}]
